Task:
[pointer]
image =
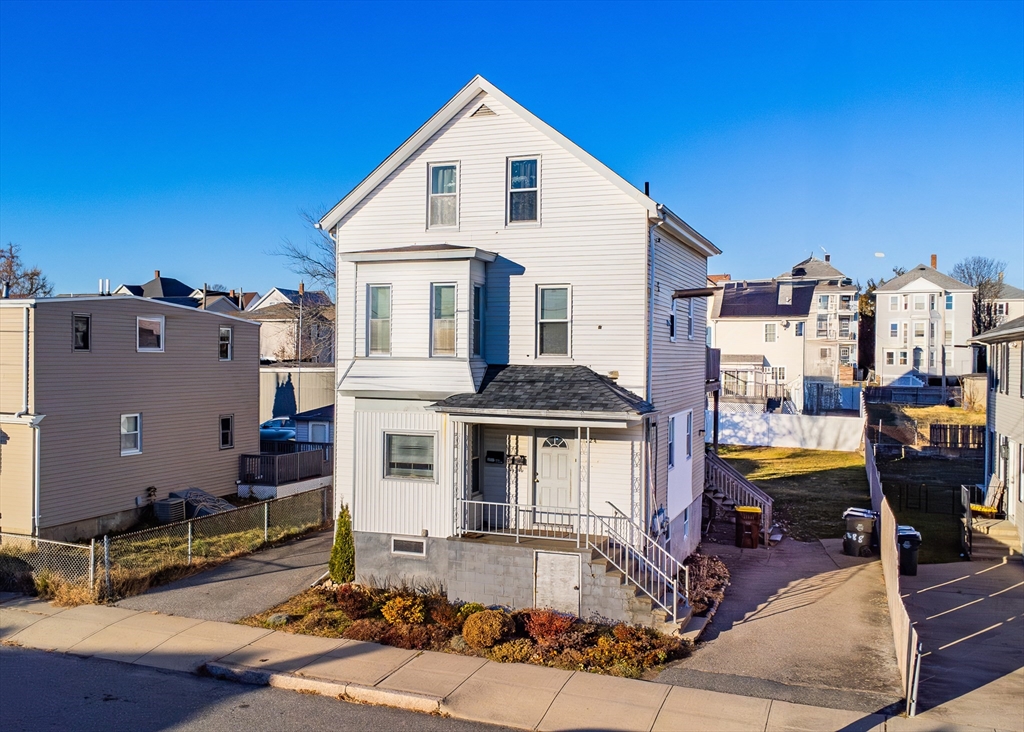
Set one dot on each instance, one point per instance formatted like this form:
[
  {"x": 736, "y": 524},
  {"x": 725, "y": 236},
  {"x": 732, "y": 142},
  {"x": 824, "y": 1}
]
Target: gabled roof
[
  {"x": 1011, "y": 330},
  {"x": 479, "y": 85},
  {"x": 160, "y": 287},
  {"x": 925, "y": 272},
  {"x": 814, "y": 269},
  {"x": 1009, "y": 292},
  {"x": 761, "y": 300},
  {"x": 546, "y": 390},
  {"x": 284, "y": 311},
  {"x": 312, "y": 415},
  {"x": 309, "y": 298}
]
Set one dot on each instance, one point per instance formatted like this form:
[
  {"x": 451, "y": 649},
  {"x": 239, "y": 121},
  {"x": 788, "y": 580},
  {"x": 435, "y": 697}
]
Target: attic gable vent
[{"x": 484, "y": 111}]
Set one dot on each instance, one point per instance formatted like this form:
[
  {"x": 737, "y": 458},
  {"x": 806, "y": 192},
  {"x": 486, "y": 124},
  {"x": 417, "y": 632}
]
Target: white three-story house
[{"x": 520, "y": 371}]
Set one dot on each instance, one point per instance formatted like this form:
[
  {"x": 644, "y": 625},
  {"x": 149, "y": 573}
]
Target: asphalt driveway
[
  {"x": 243, "y": 586},
  {"x": 800, "y": 622}
]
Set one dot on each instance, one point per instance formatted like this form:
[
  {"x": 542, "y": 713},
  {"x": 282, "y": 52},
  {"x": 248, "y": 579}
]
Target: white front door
[
  {"x": 553, "y": 466},
  {"x": 680, "y": 463},
  {"x": 557, "y": 582}
]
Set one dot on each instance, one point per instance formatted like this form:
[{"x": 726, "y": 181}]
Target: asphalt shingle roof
[
  {"x": 1003, "y": 332},
  {"x": 761, "y": 300},
  {"x": 548, "y": 389},
  {"x": 1009, "y": 292},
  {"x": 922, "y": 271},
  {"x": 814, "y": 269},
  {"x": 324, "y": 413}
]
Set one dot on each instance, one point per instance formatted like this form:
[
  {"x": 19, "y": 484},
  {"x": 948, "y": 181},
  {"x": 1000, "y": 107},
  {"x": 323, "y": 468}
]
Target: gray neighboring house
[
  {"x": 110, "y": 402},
  {"x": 1004, "y": 431}
]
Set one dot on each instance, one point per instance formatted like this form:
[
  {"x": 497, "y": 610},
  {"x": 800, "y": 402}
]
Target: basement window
[{"x": 414, "y": 547}]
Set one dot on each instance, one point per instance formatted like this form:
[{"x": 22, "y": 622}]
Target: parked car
[{"x": 278, "y": 429}]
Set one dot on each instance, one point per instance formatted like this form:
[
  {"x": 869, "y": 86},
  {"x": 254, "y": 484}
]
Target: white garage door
[{"x": 557, "y": 582}]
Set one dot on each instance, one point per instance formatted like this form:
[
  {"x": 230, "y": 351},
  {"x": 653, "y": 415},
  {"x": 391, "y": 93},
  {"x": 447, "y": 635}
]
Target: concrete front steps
[
  {"x": 640, "y": 608},
  {"x": 994, "y": 539}
]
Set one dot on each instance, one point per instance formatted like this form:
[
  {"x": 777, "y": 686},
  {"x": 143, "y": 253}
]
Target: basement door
[{"x": 557, "y": 581}]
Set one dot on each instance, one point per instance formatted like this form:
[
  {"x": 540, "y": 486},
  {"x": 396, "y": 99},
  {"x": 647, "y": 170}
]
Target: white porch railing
[
  {"x": 616, "y": 538},
  {"x": 724, "y": 478}
]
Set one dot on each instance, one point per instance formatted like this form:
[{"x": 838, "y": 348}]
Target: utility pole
[{"x": 298, "y": 395}]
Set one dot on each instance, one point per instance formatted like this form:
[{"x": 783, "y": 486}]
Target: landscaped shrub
[
  {"x": 545, "y": 626},
  {"x": 487, "y": 628},
  {"x": 403, "y": 609},
  {"x": 470, "y": 608},
  {"x": 408, "y": 636},
  {"x": 352, "y": 601},
  {"x": 442, "y": 613},
  {"x": 342, "y": 565},
  {"x": 366, "y": 629},
  {"x": 519, "y": 650}
]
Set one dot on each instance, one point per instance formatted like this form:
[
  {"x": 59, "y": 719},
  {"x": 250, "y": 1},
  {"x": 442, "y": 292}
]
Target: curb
[{"x": 339, "y": 690}]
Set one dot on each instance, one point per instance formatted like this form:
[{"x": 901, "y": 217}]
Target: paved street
[
  {"x": 47, "y": 691},
  {"x": 244, "y": 586},
  {"x": 800, "y": 622}
]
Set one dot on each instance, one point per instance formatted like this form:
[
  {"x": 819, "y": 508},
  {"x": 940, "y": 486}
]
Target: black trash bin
[
  {"x": 909, "y": 541},
  {"x": 860, "y": 531}
]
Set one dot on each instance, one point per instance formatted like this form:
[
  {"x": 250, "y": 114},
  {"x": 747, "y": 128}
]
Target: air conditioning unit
[{"x": 169, "y": 510}]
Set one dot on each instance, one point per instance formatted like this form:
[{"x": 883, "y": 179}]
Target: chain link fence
[
  {"x": 128, "y": 564},
  {"x": 23, "y": 559}
]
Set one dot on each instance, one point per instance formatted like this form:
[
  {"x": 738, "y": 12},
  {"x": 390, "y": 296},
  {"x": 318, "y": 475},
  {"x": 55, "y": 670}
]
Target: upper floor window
[
  {"x": 822, "y": 326},
  {"x": 689, "y": 435},
  {"x": 919, "y": 302},
  {"x": 131, "y": 434},
  {"x": 799, "y": 329},
  {"x": 150, "y": 333},
  {"x": 225, "y": 344},
  {"x": 553, "y": 321},
  {"x": 444, "y": 195},
  {"x": 769, "y": 332},
  {"x": 443, "y": 321},
  {"x": 380, "y": 320},
  {"x": 894, "y": 302},
  {"x": 948, "y": 335},
  {"x": 672, "y": 441},
  {"x": 478, "y": 320},
  {"x": 890, "y": 358},
  {"x": 949, "y": 302},
  {"x": 81, "y": 331},
  {"x": 918, "y": 331},
  {"x": 932, "y": 301},
  {"x": 689, "y": 318},
  {"x": 672, "y": 322},
  {"x": 523, "y": 190},
  {"x": 823, "y": 302},
  {"x": 846, "y": 302},
  {"x": 894, "y": 330},
  {"x": 1001, "y": 308}
]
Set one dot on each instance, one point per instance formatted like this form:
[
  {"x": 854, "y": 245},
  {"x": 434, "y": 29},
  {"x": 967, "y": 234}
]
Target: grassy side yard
[
  {"x": 927, "y": 416},
  {"x": 811, "y": 488}
]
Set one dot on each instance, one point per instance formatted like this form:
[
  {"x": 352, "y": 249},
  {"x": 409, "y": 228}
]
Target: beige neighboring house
[
  {"x": 1009, "y": 302},
  {"x": 282, "y": 313},
  {"x": 110, "y": 402}
]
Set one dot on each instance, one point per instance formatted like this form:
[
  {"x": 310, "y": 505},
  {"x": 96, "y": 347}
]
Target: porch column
[
  {"x": 715, "y": 430},
  {"x": 579, "y": 485}
]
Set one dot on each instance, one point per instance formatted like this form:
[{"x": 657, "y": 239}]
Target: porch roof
[{"x": 571, "y": 392}]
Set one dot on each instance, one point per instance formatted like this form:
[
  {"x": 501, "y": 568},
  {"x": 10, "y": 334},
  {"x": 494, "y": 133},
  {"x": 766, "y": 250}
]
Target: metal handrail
[{"x": 719, "y": 474}]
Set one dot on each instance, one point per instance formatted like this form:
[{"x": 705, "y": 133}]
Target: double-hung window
[
  {"x": 478, "y": 320},
  {"x": 949, "y": 302},
  {"x": 443, "y": 321},
  {"x": 823, "y": 302},
  {"x": 523, "y": 190},
  {"x": 890, "y": 358},
  {"x": 553, "y": 321},
  {"x": 131, "y": 434},
  {"x": 769, "y": 332},
  {"x": 443, "y": 207},
  {"x": 919, "y": 302},
  {"x": 150, "y": 333},
  {"x": 894, "y": 302},
  {"x": 225, "y": 345},
  {"x": 903, "y": 358},
  {"x": 81, "y": 331},
  {"x": 822, "y": 327},
  {"x": 932, "y": 302},
  {"x": 799, "y": 329},
  {"x": 409, "y": 456},
  {"x": 671, "y": 442},
  {"x": 948, "y": 335},
  {"x": 227, "y": 431},
  {"x": 894, "y": 330},
  {"x": 380, "y": 320},
  {"x": 689, "y": 435},
  {"x": 689, "y": 318},
  {"x": 918, "y": 331}
]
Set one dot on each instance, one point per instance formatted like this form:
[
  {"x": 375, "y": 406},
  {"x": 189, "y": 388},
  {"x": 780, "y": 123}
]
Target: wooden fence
[
  {"x": 908, "y": 647},
  {"x": 968, "y": 436}
]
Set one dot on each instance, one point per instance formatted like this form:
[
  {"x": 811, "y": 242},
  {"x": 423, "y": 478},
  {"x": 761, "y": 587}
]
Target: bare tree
[
  {"x": 982, "y": 273},
  {"x": 23, "y": 282},
  {"x": 314, "y": 260},
  {"x": 866, "y": 308}
]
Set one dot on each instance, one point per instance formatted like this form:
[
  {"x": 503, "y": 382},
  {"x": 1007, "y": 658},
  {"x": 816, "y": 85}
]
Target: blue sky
[{"x": 186, "y": 137}]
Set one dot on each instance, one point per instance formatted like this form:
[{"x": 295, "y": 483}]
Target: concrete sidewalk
[
  {"x": 517, "y": 695},
  {"x": 244, "y": 586}
]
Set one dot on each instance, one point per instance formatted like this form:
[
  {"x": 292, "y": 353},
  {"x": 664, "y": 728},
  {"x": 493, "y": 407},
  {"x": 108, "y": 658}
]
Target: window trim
[
  {"x": 231, "y": 342},
  {"x": 231, "y": 431},
  {"x": 454, "y": 319},
  {"x": 137, "y": 450},
  {"x": 163, "y": 333},
  {"x": 799, "y": 330},
  {"x": 415, "y": 539},
  {"x": 318, "y": 423},
  {"x": 689, "y": 435},
  {"x": 477, "y": 336},
  {"x": 431, "y": 194},
  {"x": 370, "y": 353},
  {"x": 672, "y": 324},
  {"x": 689, "y": 318},
  {"x": 775, "y": 333},
  {"x": 509, "y": 189},
  {"x": 88, "y": 330},
  {"x": 408, "y": 433},
  {"x": 567, "y": 320},
  {"x": 671, "y": 442}
]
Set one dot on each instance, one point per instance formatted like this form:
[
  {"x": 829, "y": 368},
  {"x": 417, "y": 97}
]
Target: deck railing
[
  {"x": 615, "y": 537},
  {"x": 286, "y": 447},
  {"x": 281, "y": 469}
]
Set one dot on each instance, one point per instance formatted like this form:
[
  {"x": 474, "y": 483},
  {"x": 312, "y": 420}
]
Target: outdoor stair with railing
[
  {"x": 727, "y": 488},
  {"x": 994, "y": 539}
]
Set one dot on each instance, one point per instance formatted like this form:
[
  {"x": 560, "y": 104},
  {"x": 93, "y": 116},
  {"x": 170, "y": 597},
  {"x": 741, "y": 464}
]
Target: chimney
[
  {"x": 647, "y": 188},
  {"x": 935, "y": 261},
  {"x": 5, "y": 290},
  {"x": 1000, "y": 278},
  {"x": 156, "y": 274},
  {"x": 828, "y": 257},
  {"x": 231, "y": 293},
  {"x": 302, "y": 289}
]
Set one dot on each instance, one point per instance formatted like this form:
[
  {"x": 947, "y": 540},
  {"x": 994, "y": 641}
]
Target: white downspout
[
  {"x": 650, "y": 314},
  {"x": 36, "y": 494}
]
